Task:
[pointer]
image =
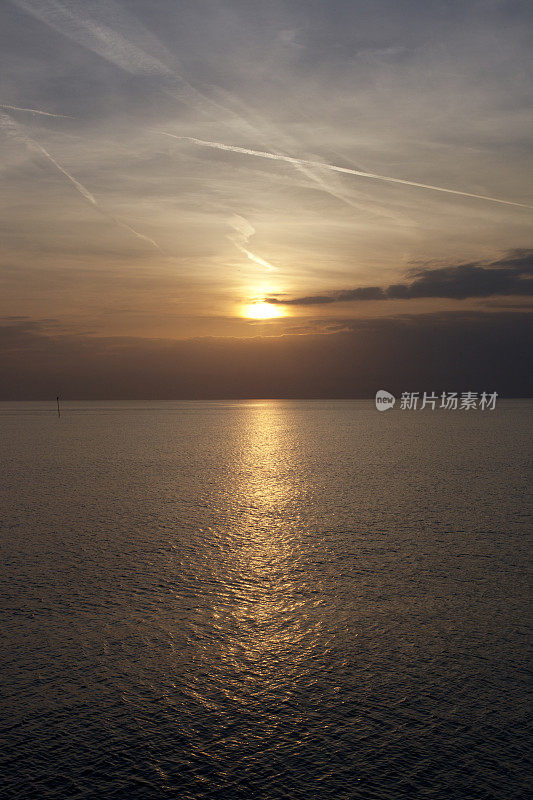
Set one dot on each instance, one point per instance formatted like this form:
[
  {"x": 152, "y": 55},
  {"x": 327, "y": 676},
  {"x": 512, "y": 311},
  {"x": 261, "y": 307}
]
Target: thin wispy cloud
[
  {"x": 114, "y": 47},
  {"x": 346, "y": 170},
  {"x": 265, "y": 132},
  {"x": 16, "y": 132},
  {"x": 35, "y": 111},
  {"x": 243, "y": 233},
  {"x": 130, "y": 53},
  {"x": 71, "y": 21}
]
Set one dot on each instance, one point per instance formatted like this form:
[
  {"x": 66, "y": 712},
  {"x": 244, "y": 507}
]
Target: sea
[{"x": 264, "y": 600}]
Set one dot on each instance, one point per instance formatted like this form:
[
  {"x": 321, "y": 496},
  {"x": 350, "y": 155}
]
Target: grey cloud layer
[
  {"x": 510, "y": 275},
  {"x": 433, "y": 352}
]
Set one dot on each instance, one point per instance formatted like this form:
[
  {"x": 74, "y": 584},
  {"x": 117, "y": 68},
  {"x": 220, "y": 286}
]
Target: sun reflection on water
[{"x": 266, "y": 630}]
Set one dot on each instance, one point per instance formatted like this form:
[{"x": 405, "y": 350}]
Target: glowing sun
[{"x": 263, "y": 311}]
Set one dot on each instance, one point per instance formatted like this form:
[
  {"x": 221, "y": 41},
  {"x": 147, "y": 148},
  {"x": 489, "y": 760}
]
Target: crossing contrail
[
  {"x": 18, "y": 133},
  {"x": 79, "y": 186},
  {"x": 142, "y": 54},
  {"x": 35, "y": 111},
  {"x": 69, "y": 20},
  {"x": 92, "y": 199},
  {"x": 288, "y": 159},
  {"x": 243, "y": 232}
]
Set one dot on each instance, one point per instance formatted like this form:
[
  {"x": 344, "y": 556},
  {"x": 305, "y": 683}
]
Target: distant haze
[{"x": 425, "y": 353}]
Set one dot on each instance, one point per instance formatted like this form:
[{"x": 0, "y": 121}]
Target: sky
[{"x": 239, "y": 198}]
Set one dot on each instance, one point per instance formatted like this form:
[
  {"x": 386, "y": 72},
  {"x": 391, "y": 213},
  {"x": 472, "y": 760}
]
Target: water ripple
[{"x": 264, "y": 600}]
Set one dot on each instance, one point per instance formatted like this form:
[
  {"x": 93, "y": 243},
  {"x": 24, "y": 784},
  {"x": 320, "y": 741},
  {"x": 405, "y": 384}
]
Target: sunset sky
[{"x": 133, "y": 217}]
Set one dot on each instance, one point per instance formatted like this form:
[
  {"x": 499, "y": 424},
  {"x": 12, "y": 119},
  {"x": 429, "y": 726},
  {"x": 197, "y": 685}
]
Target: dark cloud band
[{"x": 509, "y": 275}]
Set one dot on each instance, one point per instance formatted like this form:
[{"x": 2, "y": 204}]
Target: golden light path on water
[{"x": 271, "y": 639}]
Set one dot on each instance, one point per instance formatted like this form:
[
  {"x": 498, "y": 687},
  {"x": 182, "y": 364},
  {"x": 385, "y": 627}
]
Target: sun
[{"x": 263, "y": 311}]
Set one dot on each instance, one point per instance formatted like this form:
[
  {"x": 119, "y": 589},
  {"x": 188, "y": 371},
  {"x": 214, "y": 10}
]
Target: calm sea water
[{"x": 264, "y": 600}]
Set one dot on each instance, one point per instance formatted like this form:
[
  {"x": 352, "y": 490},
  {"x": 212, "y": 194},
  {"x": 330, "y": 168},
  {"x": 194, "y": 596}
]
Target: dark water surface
[{"x": 264, "y": 600}]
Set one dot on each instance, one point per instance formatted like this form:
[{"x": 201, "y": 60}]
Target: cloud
[
  {"x": 243, "y": 233},
  {"x": 466, "y": 351},
  {"x": 35, "y": 111},
  {"x": 509, "y": 275},
  {"x": 98, "y": 37},
  {"x": 346, "y": 170},
  {"x": 16, "y": 132},
  {"x": 136, "y": 54}
]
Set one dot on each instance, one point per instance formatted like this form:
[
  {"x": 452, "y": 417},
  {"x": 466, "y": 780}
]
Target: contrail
[
  {"x": 127, "y": 227},
  {"x": 79, "y": 186},
  {"x": 35, "y": 111},
  {"x": 346, "y": 170},
  {"x": 13, "y": 130},
  {"x": 259, "y": 128},
  {"x": 135, "y": 58},
  {"x": 244, "y": 231},
  {"x": 66, "y": 18}
]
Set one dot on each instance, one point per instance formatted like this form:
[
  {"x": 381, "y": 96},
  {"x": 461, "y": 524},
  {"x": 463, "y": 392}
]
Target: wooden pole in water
[{"x": 58, "y": 411}]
